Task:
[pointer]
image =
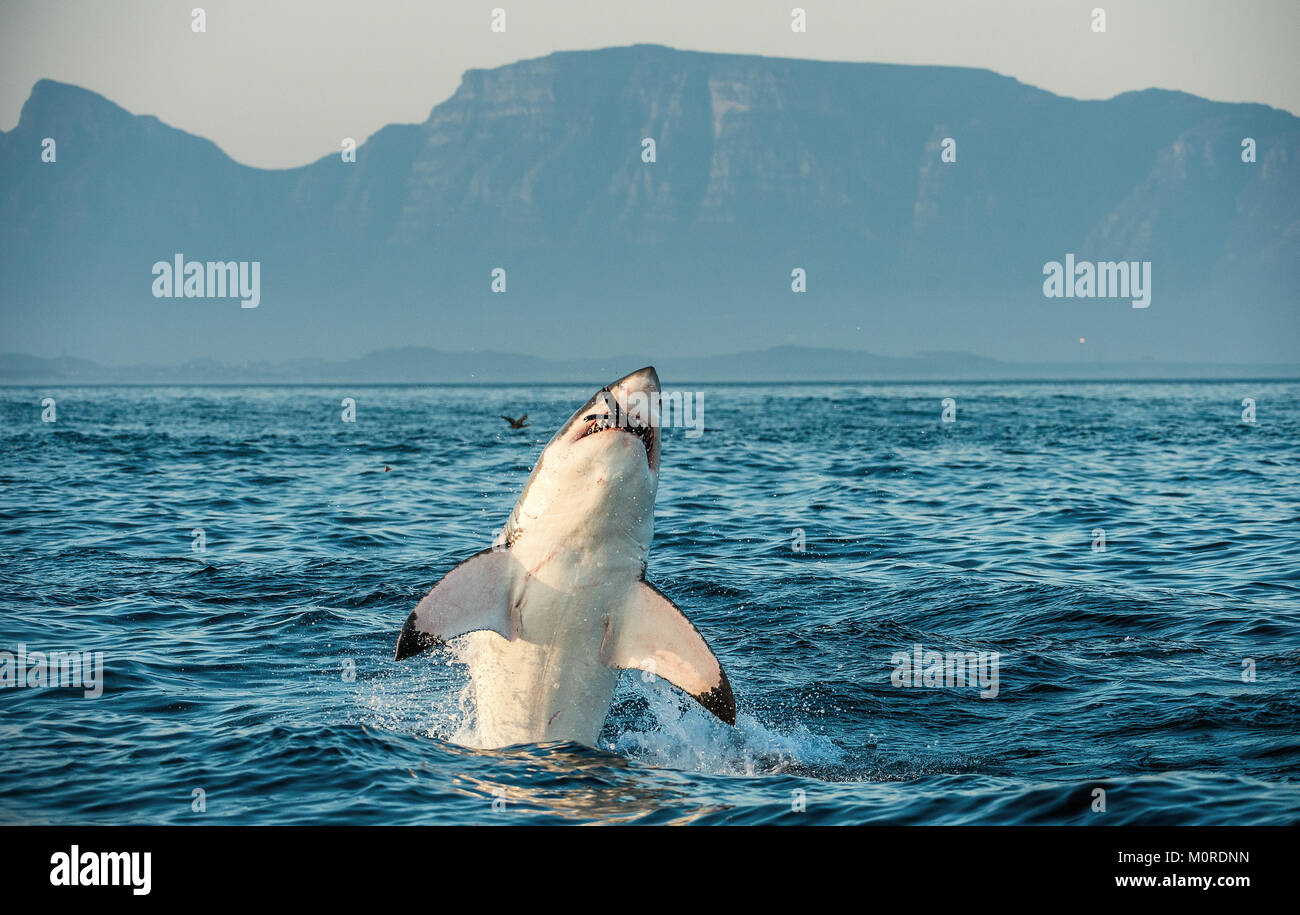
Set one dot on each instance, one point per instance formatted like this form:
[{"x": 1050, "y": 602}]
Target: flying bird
[{"x": 516, "y": 423}]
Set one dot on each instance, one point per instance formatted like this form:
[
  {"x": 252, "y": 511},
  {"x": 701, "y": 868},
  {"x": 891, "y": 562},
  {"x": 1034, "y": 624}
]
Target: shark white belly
[{"x": 560, "y": 605}]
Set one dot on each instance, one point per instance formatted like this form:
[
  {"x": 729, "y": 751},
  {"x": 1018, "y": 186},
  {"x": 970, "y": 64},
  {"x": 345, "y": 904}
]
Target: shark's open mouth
[{"x": 623, "y": 422}]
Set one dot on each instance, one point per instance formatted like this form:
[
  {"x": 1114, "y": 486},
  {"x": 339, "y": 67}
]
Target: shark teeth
[{"x": 606, "y": 421}]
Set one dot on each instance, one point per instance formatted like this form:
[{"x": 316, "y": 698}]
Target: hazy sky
[{"x": 277, "y": 84}]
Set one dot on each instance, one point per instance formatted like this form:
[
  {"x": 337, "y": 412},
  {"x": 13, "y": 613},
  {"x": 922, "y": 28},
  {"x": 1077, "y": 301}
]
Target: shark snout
[
  {"x": 645, "y": 380},
  {"x": 637, "y": 396}
]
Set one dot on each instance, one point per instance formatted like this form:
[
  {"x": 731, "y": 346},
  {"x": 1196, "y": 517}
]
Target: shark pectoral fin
[
  {"x": 653, "y": 635},
  {"x": 473, "y": 596}
]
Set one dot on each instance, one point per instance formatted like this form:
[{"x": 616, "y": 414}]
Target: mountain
[
  {"x": 763, "y": 165},
  {"x": 420, "y": 365}
]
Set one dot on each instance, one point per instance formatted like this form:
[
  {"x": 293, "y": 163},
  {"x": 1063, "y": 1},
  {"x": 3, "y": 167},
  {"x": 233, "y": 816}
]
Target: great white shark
[{"x": 559, "y": 604}]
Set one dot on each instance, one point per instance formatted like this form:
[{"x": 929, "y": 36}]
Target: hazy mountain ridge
[
  {"x": 763, "y": 164},
  {"x": 420, "y": 365}
]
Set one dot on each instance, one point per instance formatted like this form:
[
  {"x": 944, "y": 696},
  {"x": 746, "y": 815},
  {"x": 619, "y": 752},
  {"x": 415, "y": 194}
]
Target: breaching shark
[{"x": 559, "y": 604}]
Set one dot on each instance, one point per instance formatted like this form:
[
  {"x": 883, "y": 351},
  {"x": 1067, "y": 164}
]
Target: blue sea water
[{"x": 259, "y": 671}]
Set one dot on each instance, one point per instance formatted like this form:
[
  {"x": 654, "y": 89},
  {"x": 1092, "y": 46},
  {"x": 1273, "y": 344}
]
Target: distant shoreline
[
  {"x": 777, "y": 365},
  {"x": 685, "y": 383}
]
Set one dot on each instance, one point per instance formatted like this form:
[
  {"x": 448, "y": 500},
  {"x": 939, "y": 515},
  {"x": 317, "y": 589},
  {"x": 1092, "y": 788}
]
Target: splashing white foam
[
  {"x": 433, "y": 699},
  {"x": 686, "y": 737},
  {"x": 438, "y": 700}
]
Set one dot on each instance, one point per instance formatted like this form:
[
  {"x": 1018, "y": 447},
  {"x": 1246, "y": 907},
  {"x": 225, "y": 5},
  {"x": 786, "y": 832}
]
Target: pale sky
[{"x": 278, "y": 84}]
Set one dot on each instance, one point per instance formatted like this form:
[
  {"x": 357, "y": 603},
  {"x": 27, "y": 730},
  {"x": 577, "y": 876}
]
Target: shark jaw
[
  {"x": 628, "y": 406},
  {"x": 621, "y": 421},
  {"x": 559, "y": 605}
]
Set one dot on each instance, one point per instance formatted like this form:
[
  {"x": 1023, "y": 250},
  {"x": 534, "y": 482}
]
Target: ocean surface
[{"x": 814, "y": 534}]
